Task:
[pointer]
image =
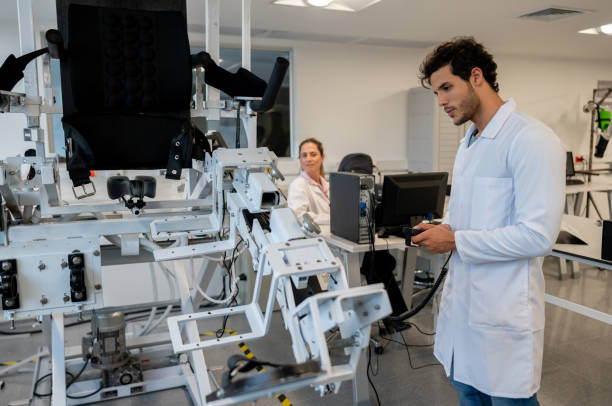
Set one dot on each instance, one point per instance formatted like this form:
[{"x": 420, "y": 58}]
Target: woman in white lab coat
[{"x": 309, "y": 192}]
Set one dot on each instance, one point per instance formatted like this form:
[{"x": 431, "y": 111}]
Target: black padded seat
[{"x": 126, "y": 86}]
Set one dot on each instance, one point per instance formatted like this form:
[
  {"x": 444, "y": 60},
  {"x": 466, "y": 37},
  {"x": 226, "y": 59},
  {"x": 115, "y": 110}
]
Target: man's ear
[{"x": 476, "y": 77}]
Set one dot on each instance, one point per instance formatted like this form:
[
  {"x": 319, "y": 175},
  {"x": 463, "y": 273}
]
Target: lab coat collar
[
  {"x": 324, "y": 186},
  {"x": 497, "y": 121}
]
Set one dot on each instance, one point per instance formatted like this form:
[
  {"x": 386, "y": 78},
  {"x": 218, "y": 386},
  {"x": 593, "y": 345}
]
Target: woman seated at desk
[{"x": 309, "y": 192}]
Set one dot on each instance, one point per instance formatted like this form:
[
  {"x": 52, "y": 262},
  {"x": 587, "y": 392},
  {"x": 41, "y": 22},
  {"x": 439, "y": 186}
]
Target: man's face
[{"x": 457, "y": 96}]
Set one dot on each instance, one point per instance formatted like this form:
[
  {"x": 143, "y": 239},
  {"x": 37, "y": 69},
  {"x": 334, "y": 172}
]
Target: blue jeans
[{"x": 470, "y": 396}]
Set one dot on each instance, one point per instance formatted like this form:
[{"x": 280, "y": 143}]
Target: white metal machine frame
[{"x": 40, "y": 236}]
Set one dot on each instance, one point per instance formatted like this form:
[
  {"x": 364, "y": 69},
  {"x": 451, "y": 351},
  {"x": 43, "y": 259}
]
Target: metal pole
[
  {"x": 30, "y": 75},
  {"x": 591, "y": 151},
  {"x": 213, "y": 96},
  {"x": 250, "y": 122}
]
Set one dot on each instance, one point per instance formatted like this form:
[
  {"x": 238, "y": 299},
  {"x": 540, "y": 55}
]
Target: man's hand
[{"x": 437, "y": 239}]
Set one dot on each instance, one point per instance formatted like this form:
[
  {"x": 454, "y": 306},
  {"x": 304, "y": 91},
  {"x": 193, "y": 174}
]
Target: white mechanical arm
[{"x": 281, "y": 248}]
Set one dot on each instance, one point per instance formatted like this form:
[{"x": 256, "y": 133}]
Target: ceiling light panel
[{"x": 338, "y": 5}]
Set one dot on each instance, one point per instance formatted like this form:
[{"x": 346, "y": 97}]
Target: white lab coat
[
  {"x": 506, "y": 203},
  {"x": 305, "y": 196}
]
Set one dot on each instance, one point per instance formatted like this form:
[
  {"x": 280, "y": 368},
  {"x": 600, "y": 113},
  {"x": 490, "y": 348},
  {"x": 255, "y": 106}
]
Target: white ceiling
[{"x": 416, "y": 22}]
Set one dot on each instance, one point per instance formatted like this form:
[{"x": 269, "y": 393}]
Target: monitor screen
[
  {"x": 409, "y": 195},
  {"x": 569, "y": 165}
]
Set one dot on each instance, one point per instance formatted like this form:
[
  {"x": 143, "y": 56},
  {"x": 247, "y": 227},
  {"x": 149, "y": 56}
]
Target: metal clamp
[{"x": 85, "y": 193}]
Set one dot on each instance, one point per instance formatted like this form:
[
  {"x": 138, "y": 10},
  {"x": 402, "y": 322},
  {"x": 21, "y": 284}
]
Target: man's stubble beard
[{"x": 468, "y": 106}]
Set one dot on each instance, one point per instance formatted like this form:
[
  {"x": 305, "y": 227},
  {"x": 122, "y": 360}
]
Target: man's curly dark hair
[{"x": 462, "y": 54}]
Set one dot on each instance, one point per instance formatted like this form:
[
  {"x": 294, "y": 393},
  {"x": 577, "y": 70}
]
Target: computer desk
[
  {"x": 589, "y": 231},
  {"x": 351, "y": 254}
]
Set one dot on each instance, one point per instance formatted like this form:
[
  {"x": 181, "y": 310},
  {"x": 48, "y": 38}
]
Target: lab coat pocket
[
  {"x": 492, "y": 203},
  {"x": 499, "y": 296}
]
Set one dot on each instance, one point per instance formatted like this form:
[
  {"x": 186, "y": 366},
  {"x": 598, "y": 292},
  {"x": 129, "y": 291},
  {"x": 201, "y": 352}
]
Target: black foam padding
[
  {"x": 274, "y": 84},
  {"x": 241, "y": 83},
  {"x": 121, "y": 141},
  {"x": 149, "y": 185},
  {"x": 126, "y": 84},
  {"x": 117, "y": 186},
  {"x": 12, "y": 68},
  {"x": 55, "y": 43}
]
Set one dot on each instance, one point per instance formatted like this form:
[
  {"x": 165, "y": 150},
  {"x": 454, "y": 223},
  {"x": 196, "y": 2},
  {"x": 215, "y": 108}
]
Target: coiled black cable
[{"x": 421, "y": 305}]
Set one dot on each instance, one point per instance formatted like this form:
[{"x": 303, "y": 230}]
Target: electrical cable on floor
[
  {"x": 368, "y": 374},
  {"x": 73, "y": 379},
  {"x": 433, "y": 333},
  {"x": 410, "y": 358}
]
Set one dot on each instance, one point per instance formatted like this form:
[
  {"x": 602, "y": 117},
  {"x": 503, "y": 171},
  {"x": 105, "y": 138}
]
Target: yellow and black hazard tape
[
  {"x": 9, "y": 363},
  {"x": 247, "y": 353}
]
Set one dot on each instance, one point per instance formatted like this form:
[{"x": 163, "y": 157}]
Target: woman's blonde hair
[{"x": 319, "y": 146}]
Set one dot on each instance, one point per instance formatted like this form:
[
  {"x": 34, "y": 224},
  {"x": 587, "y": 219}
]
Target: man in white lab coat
[{"x": 507, "y": 197}]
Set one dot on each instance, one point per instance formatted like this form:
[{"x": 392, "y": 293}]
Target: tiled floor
[{"x": 577, "y": 357}]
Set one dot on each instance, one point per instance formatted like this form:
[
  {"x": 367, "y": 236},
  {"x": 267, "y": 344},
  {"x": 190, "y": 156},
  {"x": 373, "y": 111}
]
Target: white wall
[
  {"x": 354, "y": 98},
  {"x": 554, "y": 91}
]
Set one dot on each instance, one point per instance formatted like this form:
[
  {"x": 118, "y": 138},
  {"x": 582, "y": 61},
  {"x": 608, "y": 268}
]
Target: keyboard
[{"x": 574, "y": 182}]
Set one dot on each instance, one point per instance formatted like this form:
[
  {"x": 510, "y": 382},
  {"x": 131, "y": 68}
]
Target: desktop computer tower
[{"x": 351, "y": 200}]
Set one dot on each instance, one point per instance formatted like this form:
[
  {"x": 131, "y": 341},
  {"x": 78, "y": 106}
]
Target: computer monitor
[
  {"x": 409, "y": 195},
  {"x": 569, "y": 165}
]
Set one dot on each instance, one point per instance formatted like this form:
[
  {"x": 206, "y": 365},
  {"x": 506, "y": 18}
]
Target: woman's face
[{"x": 311, "y": 160}]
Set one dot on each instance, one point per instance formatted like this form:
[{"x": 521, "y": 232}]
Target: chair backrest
[
  {"x": 133, "y": 59},
  {"x": 126, "y": 85},
  {"x": 357, "y": 163}
]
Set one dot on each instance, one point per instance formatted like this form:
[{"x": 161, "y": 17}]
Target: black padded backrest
[
  {"x": 126, "y": 85},
  {"x": 125, "y": 59},
  {"x": 357, "y": 163}
]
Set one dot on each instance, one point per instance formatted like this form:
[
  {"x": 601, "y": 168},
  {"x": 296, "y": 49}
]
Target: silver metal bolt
[
  {"x": 41, "y": 266},
  {"x": 220, "y": 393},
  {"x": 7, "y": 266},
  {"x": 9, "y": 302},
  {"x": 38, "y": 172},
  {"x": 176, "y": 157},
  {"x": 78, "y": 295},
  {"x": 44, "y": 300},
  {"x": 178, "y": 144},
  {"x": 66, "y": 298},
  {"x": 77, "y": 261},
  {"x": 96, "y": 253},
  {"x": 11, "y": 324}
]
